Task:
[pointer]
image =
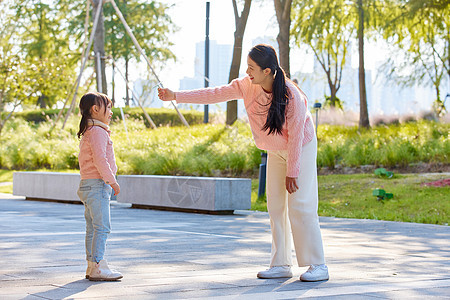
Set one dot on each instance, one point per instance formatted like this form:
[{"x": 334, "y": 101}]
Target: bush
[
  {"x": 218, "y": 150},
  {"x": 396, "y": 145},
  {"x": 160, "y": 116}
]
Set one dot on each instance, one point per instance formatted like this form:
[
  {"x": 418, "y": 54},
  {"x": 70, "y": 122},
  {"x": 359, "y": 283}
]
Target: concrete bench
[
  {"x": 47, "y": 185},
  {"x": 202, "y": 194}
]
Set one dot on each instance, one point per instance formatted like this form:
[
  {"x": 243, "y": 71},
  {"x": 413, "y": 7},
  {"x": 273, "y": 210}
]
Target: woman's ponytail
[
  {"x": 266, "y": 57},
  {"x": 280, "y": 99}
]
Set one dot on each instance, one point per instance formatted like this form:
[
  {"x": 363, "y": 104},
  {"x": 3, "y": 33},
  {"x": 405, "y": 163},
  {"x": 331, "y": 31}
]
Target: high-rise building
[{"x": 220, "y": 56}]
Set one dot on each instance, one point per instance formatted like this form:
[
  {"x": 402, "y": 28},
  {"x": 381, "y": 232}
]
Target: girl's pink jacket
[
  {"x": 96, "y": 157},
  {"x": 297, "y": 131}
]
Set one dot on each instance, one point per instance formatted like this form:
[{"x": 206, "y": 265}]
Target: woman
[{"x": 281, "y": 124}]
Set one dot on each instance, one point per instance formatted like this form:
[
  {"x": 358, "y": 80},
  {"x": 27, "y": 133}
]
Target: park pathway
[{"x": 174, "y": 255}]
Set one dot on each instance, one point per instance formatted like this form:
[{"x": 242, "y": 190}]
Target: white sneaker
[
  {"x": 89, "y": 268},
  {"x": 315, "y": 273},
  {"x": 276, "y": 272},
  {"x": 101, "y": 272}
]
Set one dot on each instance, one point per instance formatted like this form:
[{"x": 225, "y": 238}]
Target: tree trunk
[
  {"x": 363, "y": 112},
  {"x": 99, "y": 46},
  {"x": 127, "y": 92},
  {"x": 42, "y": 101},
  {"x": 113, "y": 83},
  {"x": 127, "y": 97},
  {"x": 333, "y": 90},
  {"x": 333, "y": 99},
  {"x": 283, "y": 12},
  {"x": 241, "y": 22}
]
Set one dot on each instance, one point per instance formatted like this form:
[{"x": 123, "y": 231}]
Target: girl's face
[
  {"x": 99, "y": 113},
  {"x": 256, "y": 74}
]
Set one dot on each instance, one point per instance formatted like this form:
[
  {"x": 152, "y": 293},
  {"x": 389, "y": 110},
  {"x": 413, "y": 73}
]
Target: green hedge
[{"x": 160, "y": 116}]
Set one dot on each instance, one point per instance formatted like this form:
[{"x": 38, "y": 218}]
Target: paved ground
[{"x": 172, "y": 255}]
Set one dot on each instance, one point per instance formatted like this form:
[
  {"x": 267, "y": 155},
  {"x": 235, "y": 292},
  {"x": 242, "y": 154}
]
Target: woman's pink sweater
[
  {"x": 297, "y": 130},
  {"x": 96, "y": 157}
]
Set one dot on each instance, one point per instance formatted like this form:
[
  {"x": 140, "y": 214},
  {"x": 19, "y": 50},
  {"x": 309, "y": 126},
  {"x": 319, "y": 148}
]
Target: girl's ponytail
[{"x": 83, "y": 126}]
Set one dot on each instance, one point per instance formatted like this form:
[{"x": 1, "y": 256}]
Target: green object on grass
[
  {"x": 378, "y": 192},
  {"x": 388, "y": 196},
  {"x": 382, "y": 195},
  {"x": 383, "y": 172}
]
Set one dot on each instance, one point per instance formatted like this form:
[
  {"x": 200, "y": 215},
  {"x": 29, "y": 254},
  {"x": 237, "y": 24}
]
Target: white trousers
[{"x": 296, "y": 212}]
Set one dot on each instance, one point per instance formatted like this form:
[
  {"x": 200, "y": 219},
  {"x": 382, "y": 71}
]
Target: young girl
[
  {"x": 281, "y": 124},
  {"x": 97, "y": 170}
]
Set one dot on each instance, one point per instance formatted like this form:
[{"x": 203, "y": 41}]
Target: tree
[
  {"x": 420, "y": 30},
  {"x": 283, "y": 12},
  {"x": 148, "y": 20},
  {"x": 363, "y": 111},
  {"x": 328, "y": 34},
  {"x": 241, "y": 22},
  {"x": 9, "y": 66},
  {"x": 364, "y": 17},
  {"x": 150, "y": 24},
  {"x": 44, "y": 43}
]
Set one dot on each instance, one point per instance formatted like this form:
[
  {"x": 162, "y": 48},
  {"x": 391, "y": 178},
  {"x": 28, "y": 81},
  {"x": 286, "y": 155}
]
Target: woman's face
[{"x": 256, "y": 74}]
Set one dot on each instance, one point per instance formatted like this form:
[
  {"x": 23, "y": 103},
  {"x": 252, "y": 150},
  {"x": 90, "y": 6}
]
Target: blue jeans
[{"x": 95, "y": 195}]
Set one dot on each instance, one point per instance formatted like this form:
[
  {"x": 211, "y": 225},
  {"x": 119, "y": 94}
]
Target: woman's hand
[
  {"x": 166, "y": 94},
  {"x": 116, "y": 188},
  {"x": 291, "y": 184}
]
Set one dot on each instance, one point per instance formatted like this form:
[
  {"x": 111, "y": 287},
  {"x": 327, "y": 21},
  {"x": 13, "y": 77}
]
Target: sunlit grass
[{"x": 350, "y": 196}]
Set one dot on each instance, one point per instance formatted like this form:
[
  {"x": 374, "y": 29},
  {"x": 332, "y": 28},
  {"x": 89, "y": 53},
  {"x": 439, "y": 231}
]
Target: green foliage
[
  {"x": 419, "y": 34},
  {"x": 44, "y": 42},
  {"x": 333, "y": 102},
  {"x": 202, "y": 150},
  {"x": 328, "y": 32},
  {"x": 150, "y": 24},
  {"x": 218, "y": 150},
  {"x": 388, "y": 146},
  {"x": 161, "y": 116}
]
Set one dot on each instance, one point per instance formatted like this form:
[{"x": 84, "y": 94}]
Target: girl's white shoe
[{"x": 101, "y": 272}]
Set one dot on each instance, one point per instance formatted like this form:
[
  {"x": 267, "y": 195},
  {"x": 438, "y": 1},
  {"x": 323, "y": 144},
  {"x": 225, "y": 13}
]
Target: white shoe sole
[
  {"x": 314, "y": 280},
  {"x": 274, "y": 277},
  {"x": 104, "y": 279}
]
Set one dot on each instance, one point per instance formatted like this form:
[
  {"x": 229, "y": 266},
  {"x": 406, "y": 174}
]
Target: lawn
[{"x": 350, "y": 196}]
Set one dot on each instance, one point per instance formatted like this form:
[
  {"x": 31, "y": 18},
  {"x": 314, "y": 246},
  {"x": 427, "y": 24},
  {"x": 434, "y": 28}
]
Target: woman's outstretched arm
[{"x": 234, "y": 90}]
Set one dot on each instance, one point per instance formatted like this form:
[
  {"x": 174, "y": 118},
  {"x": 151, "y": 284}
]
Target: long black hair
[
  {"x": 265, "y": 56},
  {"x": 87, "y": 101}
]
